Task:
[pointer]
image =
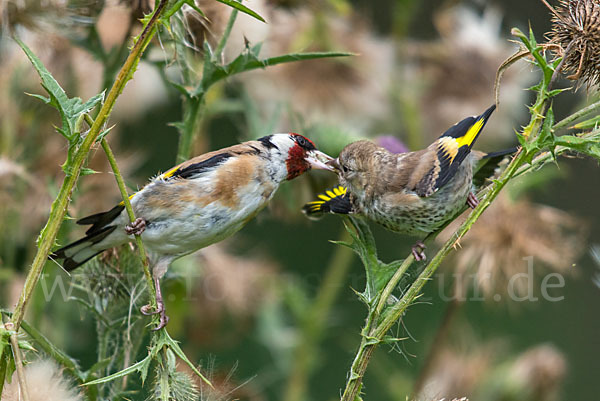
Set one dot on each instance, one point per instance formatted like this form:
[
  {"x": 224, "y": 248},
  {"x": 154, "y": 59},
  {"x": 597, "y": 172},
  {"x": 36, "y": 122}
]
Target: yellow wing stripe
[
  {"x": 130, "y": 198},
  {"x": 340, "y": 191},
  {"x": 170, "y": 172},
  {"x": 330, "y": 194},
  {"x": 469, "y": 137}
]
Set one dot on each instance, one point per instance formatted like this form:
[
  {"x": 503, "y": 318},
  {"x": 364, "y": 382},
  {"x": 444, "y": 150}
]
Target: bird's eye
[
  {"x": 345, "y": 168},
  {"x": 301, "y": 141}
]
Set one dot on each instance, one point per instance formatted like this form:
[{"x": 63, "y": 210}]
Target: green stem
[
  {"x": 313, "y": 327},
  {"x": 191, "y": 122},
  {"x": 392, "y": 284},
  {"x": 138, "y": 239},
  {"x": 226, "y": 33},
  {"x": 14, "y": 342},
  {"x": 53, "y": 351},
  {"x": 577, "y": 115},
  {"x": 3, "y": 369},
  {"x": 59, "y": 206}
]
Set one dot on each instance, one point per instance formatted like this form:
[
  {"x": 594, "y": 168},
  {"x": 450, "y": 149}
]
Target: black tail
[
  {"x": 336, "y": 200},
  {"x": 80, "y": 251},
  {"x": 488, "y": 165}
]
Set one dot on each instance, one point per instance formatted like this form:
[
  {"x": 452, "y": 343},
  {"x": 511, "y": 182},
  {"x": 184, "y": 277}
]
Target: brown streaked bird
[
  {"x": 197, "y": 203},
  {"x": 413, "y": 193}
]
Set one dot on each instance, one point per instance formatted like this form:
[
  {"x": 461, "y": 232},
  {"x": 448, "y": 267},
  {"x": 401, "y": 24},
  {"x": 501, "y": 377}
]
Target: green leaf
[
  {"x": 242, "y": 8},
  {"x": 591, "y": 123},
  {"x": 546, "y": 136},
  {"x": 588, "y": 146},
  {"x": 97, "y": 367},
  {"x": 87, "y": 171},
  {"x": 247, "y": 61},
  {"x": 70, "y": 109},
  {"x": 136, "y": 367},
  {"x": 377, "y": 273},
  {"x": 174, "y": 346}
]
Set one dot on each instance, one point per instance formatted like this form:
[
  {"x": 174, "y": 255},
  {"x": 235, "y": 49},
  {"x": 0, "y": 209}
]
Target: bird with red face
[{"x": 197, "y": 203}]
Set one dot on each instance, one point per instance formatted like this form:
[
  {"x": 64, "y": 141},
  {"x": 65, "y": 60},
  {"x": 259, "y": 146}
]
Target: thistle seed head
[{"x": 576, "y": 36}]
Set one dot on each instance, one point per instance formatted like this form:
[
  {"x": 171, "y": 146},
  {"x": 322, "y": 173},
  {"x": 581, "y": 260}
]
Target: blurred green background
[{"x": 422, "y": 66}]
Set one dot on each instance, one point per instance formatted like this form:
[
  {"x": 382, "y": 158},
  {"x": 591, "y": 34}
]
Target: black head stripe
[
  {"x": 266, "y": 141},
  {"x": 459, "y": 129},
  {"x": 304, "y": 142}
]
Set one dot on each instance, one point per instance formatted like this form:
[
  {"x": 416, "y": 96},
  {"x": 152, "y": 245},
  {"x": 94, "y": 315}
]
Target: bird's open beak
[
  {"x": 319, "y": 160},
  {"x": 334, "y": 164}
]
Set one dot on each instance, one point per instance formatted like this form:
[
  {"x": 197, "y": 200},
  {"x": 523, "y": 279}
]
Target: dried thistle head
[
  {"x": 540, "y": 372},
  {"x": 458, "y": 372},
  {"x": 496, "y": 249},
  {"x": 576, "y": 36},
  {"x": 45, "y": 381}
]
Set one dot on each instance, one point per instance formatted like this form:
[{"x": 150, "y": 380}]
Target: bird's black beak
[{"x": 319, "y": 160}]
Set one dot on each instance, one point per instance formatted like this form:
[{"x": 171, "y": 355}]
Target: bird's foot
[
  {"x": 148, "y": 310},
  {"x": 160, "y": 309},
  {"x": 472, "y": 200},
  {"x": 418, "y": 251},
  {"x": 136, "y": 227},
  {"x": 164, "y": 319}
]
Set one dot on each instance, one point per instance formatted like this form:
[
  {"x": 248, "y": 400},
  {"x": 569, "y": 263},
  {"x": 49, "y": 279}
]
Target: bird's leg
[
  {"x": 418, "y": 251},
  {"x": 136, "y": 227},
  {"x": 472, "y": 200},
  {"x": 160, "y": 307}
]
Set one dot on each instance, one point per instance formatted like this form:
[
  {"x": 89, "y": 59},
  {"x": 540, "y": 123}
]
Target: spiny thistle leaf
[
  {"x": 70, "y": 109},
  {"x": 377, "y": 273},
  {"x": 246, "y": 61},
  {"x": 240, "y": 7}
]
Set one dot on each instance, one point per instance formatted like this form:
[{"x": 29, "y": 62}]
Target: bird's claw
[
  {"x": 136, "y": 227},
  {"x": 472, "y": 200},
  {"x": 418, "y": 251},
  {"x": 149, "y": 310},
  {"x": 164, "y": 319}
]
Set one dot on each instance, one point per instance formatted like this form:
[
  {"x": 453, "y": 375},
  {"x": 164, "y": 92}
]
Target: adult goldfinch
[
  {"x": 414, "y": 193},
  {"x": 197, "y": 203}
]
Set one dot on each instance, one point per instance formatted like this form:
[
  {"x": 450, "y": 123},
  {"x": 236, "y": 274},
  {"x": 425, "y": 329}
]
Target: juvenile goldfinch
[
  {"x": 197, "y": 203},
  {"x": 413, "y": 193}
]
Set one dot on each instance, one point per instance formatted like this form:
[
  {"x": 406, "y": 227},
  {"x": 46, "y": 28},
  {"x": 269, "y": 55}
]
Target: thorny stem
[
  {"x": 58, "y": 355},
  {"x": 138, "y": 239},
  {"x": 3, "y": 369},
  {"x": 59, "y": 206},
  {"x": 226, "y": 33},
  {"x": 192, "y": 105},
  {"x": 14, "y": 342},
  {"x": 313, "y": 327},
  {"x": 191, "y": 121},
  {"x": 577, "y": 115}
]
